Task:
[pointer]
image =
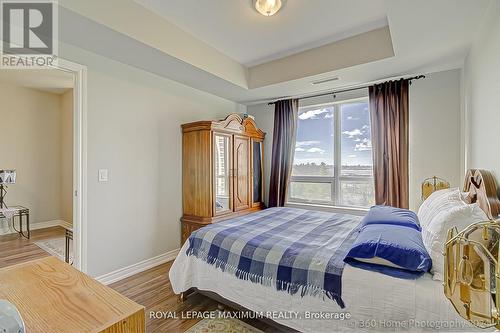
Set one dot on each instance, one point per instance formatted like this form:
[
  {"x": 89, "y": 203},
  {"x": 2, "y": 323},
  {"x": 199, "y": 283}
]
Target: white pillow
[
  {"x": 435, "y": 203},
  {"x": 445, "y": 211}
]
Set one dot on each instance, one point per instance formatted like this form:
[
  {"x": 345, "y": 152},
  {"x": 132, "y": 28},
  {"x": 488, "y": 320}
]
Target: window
[{"x": 333, "y": 156}]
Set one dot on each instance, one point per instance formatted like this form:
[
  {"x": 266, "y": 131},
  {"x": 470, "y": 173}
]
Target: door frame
[
  {"x": 79, "y": 160},
  {"x": 79, "y": 72}
]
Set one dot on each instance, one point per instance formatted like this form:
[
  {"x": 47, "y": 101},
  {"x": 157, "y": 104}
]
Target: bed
[{"x": 373, "y": 302}]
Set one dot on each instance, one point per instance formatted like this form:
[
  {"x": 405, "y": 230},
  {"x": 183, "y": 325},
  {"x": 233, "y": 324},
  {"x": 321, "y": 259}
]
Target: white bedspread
[{"x": 374, "y": 301}]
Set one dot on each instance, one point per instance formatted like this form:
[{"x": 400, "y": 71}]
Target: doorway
[{"x": 49, "y": 175}]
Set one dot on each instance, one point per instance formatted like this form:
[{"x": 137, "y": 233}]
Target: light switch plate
[{"x": 103, "y": 175}]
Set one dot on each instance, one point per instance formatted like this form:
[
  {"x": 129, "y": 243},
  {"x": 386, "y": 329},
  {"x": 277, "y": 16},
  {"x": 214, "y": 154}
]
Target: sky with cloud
[{"x": 315, "y": 135}]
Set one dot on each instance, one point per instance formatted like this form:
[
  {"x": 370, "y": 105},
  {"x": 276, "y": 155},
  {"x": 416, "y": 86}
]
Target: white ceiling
[
  {"x": 48, "y": 80},
  {"x": 236, "y": 29},
  {"x": 427, "y": 36}
]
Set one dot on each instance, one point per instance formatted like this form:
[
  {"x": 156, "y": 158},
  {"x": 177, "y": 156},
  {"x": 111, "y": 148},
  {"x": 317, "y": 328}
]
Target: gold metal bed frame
[{"x": 472, "y": 272}]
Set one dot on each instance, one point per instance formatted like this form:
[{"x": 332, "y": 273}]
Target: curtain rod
[{"x": 417, "y": 77}]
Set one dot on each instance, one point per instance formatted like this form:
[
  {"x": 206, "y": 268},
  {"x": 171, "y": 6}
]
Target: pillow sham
[
  {"x": 460, "y": 215},
  {"x": 391, "y": 215},
  {"x": 399, "y": 245}
]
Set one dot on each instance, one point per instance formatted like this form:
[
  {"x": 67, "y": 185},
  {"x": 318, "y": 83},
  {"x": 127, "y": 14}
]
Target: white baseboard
[
  {"x": 116, "y": 275},
  {"x": 65, "y": 224},
  {"x": 5, "y": 230},
  {"x": 139, "y": 267}
]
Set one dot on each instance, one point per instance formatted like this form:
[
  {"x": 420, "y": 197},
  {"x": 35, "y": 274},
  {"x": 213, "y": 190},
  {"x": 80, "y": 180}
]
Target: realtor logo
[{"x": 29, "y": 33}]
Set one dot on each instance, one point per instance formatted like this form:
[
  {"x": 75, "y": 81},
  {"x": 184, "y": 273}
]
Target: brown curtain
[
  {"x": 285, "y": 122},
  {"x": 389, "y": 126}
]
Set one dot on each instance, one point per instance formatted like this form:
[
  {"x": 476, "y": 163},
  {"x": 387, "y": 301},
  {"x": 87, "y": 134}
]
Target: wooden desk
[{"x": 54, "y": 297}]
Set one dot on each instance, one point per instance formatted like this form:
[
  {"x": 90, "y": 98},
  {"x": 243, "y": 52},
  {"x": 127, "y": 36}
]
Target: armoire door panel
[
  {"x": 222, "y": 165},
  {"x": 257, "y": 172},
  {"x": 241, "y": 172}
]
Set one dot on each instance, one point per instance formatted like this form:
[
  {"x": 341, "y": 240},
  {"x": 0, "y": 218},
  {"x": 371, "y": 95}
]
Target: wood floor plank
[
  {"x": 15, "y": 249},
  {"x": 150, "y": 288},
  {"x": 153, "y": 290}
]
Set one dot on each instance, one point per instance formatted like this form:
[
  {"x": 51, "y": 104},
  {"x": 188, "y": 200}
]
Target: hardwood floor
[
  {"x": 153, "y": 290},
  {"x": 150, "y": 288},
  {"x": 15, "y": 249}
]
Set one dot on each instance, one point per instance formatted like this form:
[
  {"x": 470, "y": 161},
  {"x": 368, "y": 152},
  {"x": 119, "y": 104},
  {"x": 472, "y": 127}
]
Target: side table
[{"x": 20, "y": 213}]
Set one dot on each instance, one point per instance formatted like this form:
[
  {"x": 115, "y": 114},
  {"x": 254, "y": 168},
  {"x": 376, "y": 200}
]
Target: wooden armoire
[{"x": 222, "y": 171}]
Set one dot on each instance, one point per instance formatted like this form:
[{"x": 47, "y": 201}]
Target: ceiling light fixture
[{"x": 267, "y": 7}]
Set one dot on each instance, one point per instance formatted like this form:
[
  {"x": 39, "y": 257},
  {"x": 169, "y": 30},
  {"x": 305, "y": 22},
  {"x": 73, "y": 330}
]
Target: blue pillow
[
  {"x": 400, "y": 246},
  {"x": 391, "y": 215}
]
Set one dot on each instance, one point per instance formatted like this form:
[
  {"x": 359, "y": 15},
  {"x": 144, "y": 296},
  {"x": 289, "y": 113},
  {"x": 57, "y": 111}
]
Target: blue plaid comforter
[{"x": 295, "y": 250}]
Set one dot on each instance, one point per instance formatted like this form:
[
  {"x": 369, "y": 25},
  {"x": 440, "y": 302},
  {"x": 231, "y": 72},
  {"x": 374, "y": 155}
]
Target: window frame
[{"x": 337, "y": 178}]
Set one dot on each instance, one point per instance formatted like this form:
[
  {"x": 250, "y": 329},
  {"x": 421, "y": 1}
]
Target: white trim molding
[
  {"x": 139, "y": 267},
  {"x": 6, "y": 230},
  {"x": 331, "y": 209},
  {"x": 79, "y": 160},
  {"x": 65, "y": 224},
  {"x": 79, "y": 72}
]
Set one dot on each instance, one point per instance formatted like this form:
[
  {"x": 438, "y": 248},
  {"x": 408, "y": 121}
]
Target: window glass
[
  {"x": 357, "y": 193},
  {"x": 322, "y": 175},
  {"x": 314, "y": 146},
  {"x": 311, "y": 192},
  {"x": 356, "y": 140}
]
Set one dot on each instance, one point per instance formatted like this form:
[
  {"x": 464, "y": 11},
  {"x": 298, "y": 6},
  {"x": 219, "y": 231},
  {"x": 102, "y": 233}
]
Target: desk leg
[
  {"x": 21, "y": 232},
  {"x": 66, "y": 249},
  {"x": 28, "y": 225},
  {"x": 21, "y": 224}
]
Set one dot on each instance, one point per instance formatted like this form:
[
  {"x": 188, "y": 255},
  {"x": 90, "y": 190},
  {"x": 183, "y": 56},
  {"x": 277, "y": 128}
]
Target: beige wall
[
  {"x": 31, "y": 143},
  {"x": 66, "y": 127},
  {"x": 434, "y": 130},
  {"x": 482, "y": 96},
  {"x": 133, "y": 130}
]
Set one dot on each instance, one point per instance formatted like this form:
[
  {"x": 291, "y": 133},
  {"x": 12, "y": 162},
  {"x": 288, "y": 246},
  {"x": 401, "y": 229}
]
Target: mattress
[{"x": 374, "y": 302}]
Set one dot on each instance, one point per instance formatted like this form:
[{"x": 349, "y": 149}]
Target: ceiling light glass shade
[{"x": 267, "y": 7}]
